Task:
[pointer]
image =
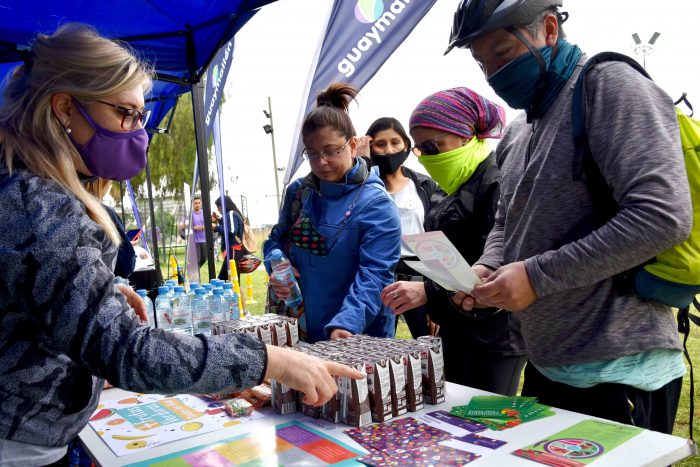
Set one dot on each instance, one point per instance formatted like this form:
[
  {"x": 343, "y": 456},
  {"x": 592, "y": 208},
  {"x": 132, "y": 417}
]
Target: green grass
[{"x": 257, "y": 306}]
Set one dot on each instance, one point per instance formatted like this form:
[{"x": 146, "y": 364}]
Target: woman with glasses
[
  {"x": 74, "y": 110},
  {"x": 340, "y": 230},
  {"x": 414, "y": 194},
  {"x": 482, "y": 349}
]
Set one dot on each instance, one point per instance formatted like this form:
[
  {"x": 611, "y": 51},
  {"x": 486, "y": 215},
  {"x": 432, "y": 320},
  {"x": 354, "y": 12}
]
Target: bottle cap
[{"x": 163, "y": 289}]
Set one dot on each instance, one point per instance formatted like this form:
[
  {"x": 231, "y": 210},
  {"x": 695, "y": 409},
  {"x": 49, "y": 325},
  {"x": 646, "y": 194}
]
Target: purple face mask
[{"x": 113, "y": 155}]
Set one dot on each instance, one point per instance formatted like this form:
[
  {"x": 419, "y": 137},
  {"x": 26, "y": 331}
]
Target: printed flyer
[
  {"x": 579, "y": 444},
  {"x": 290, "y": 443},
  {"x": 143, "y": 421}
]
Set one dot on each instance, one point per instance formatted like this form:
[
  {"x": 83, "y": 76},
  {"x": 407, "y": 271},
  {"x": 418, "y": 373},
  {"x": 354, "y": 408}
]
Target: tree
[{"x": 172, "y": 155}]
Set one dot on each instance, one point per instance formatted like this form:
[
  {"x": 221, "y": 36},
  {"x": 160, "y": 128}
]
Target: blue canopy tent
[{"x": 179, "y": 37}]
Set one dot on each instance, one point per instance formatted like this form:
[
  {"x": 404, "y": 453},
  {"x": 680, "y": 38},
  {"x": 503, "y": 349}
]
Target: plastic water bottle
[
  {"x": 208, "y": 288},
  {"x": 182, "y": 314},
  {"x": 193, "y": 285},
  {"x": 164, "y": 308},
  {"x": 218, "y": 305},
  {"x": 201, "y": 317},
  {"x": 282, "y": 270},
  {"x": 143, "y": 293},
  {"x": 231, "y": 298}
]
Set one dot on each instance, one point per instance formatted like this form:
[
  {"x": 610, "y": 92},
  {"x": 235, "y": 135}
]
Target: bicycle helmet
[{"x": 475, "y": 18}]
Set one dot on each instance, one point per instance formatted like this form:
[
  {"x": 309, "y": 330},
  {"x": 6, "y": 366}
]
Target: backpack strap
[
  {"x": 684, "y": 318},
  {"x": 684, "y": 99},
  {"x": 584, "y": 166}
]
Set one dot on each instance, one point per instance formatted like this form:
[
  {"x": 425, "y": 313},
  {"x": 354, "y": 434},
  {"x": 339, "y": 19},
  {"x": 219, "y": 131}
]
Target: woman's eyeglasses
[
  {"x": 130, "y": 117},
  {"x": 426, "y": 148},
  {"x": 325, "y": 155}
]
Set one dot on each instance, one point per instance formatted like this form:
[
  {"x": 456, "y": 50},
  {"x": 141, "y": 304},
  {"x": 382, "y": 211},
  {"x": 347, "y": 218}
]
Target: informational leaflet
[
  {"x": 144, "y": 421},
  {"x": 579, "y": 444},
  {"x": 290, "y": 443},
  {"x": 441, "y": 261}
]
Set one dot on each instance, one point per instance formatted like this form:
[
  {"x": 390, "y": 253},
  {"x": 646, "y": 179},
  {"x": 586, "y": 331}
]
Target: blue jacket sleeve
[
  {"x": 380, "y": 249},
  {"x": 280, "y": 232}
]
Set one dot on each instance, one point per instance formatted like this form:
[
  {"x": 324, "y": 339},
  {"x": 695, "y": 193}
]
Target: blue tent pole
[
  {"x": 203, "y": 166},
  {"x": 154, "y": 235}
]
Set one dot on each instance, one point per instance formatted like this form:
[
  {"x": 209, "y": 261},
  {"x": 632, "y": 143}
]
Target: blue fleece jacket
[{"x": 341, "y": 289}]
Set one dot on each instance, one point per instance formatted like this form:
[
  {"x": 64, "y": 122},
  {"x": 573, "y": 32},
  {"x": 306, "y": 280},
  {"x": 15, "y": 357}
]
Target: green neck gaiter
[{"x": 451, "y": 169}]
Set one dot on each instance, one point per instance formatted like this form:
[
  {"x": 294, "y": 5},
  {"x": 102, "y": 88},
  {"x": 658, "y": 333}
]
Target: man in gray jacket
[{"x": 593, "y": 346}]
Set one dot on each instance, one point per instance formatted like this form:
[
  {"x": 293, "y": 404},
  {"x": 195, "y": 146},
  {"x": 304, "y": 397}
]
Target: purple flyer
[
  {"x": 490, "y": 443},
  {"x": 297, "y": 435},
  {"x": 468, "y": 425}
]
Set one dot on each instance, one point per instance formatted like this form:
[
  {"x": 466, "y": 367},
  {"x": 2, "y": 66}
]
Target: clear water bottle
[
  {"x": 231, "y": 297},
  {"x": 208, "y": 288},
  {"x": 282, "y": 270},
  {"x": 218, "y": 305},
  {"x": 182, "y": 314},
  {"x": 193, "y": 285},
  {"x": 201, "y": 317},
  {"x": 164, "y": 308},
  {"x": 143, "y": 293}
]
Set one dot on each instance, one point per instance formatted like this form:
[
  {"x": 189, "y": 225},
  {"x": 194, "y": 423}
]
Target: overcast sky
[{"x": 273, "y": 54}]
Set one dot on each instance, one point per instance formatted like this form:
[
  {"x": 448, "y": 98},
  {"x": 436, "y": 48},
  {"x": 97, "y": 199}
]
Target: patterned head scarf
[{"x": 462, "y": 112}]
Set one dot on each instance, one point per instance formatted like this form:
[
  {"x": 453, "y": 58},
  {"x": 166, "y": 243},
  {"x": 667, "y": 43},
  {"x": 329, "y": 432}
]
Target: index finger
[{"x": 336, "y": 369}]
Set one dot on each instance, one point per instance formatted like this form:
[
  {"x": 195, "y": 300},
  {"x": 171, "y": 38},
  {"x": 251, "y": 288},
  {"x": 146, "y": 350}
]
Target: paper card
[
  {"x": 423, "y": 270},
  {"x": 290, "y": 443},
  {"x": 422, "y": 456},
  {"x": 144, "y": 421},
  {"x": 404, "y": 433},
  {"x": 469, "y": 425},
  {"x": 479, "y": 440},
  {"x": 442, "y": 260},
  {"x": 579, "y": 444}
]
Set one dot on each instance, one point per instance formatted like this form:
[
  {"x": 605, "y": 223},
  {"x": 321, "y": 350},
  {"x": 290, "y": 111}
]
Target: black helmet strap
[{"x": 542, "y": 80}]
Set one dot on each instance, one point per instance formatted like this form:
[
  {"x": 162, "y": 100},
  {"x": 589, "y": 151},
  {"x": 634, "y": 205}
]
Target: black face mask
[{"x": 389, "y": 163}]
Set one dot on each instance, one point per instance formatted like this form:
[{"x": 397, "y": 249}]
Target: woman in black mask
[{"x": 413, "y": 193}]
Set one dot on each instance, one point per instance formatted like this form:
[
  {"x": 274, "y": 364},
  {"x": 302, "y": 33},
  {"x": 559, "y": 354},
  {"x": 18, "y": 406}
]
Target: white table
[{"x": 649, "y": 448}]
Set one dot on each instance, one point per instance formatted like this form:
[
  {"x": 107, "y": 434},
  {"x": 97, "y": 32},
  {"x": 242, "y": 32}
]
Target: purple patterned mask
[{"x": 113, "y": 155}]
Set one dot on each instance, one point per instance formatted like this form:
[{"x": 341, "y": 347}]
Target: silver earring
[{"x": 67, "y": 128}]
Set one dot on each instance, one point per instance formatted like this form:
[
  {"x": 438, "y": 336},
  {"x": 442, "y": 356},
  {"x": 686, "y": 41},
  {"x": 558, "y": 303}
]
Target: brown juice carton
[
  {"x": 414, "y": 379},
  {"x": 279, "y": 333},
  {"x": 397, "y": 379},
  {"x": 379, "y": 386},
  {"x": 432, "y": 368},
  {"x": 284, "y": 398},
  {"x": 292, "y": 330},
  {"x": 354, "y": 398},
  {"x": 264, "y": 332}
]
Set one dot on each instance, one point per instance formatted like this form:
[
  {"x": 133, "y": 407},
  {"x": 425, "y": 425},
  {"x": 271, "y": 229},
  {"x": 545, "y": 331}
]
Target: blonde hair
[
  {"x": 78, "y": 61},
  {"x": 98, "y": 187}
]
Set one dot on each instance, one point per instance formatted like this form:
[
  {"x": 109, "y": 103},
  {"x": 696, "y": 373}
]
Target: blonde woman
[{"x": 75, "y": 109}]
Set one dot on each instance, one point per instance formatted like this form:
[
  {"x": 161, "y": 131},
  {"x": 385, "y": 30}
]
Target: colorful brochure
[
  {"x": 290, "y": 443},
  {"x": 441, "y": 261},
  {"x": 579, "y": 444}
]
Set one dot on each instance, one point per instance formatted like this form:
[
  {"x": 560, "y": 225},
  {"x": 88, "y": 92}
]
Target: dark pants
[
  {"x": 653, "y": 410},
  {"x": 481, "y": 370},
  {"x": 201, "y": 249}
]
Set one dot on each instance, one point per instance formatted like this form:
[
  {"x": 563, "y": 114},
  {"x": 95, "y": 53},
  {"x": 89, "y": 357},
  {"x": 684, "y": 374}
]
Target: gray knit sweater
[
  {"x": 64, "y": 329},
  {"x": 546, "y": 218}
]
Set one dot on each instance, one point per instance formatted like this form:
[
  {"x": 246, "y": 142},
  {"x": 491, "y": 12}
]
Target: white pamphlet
[{"x": 441, "y": 262}]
